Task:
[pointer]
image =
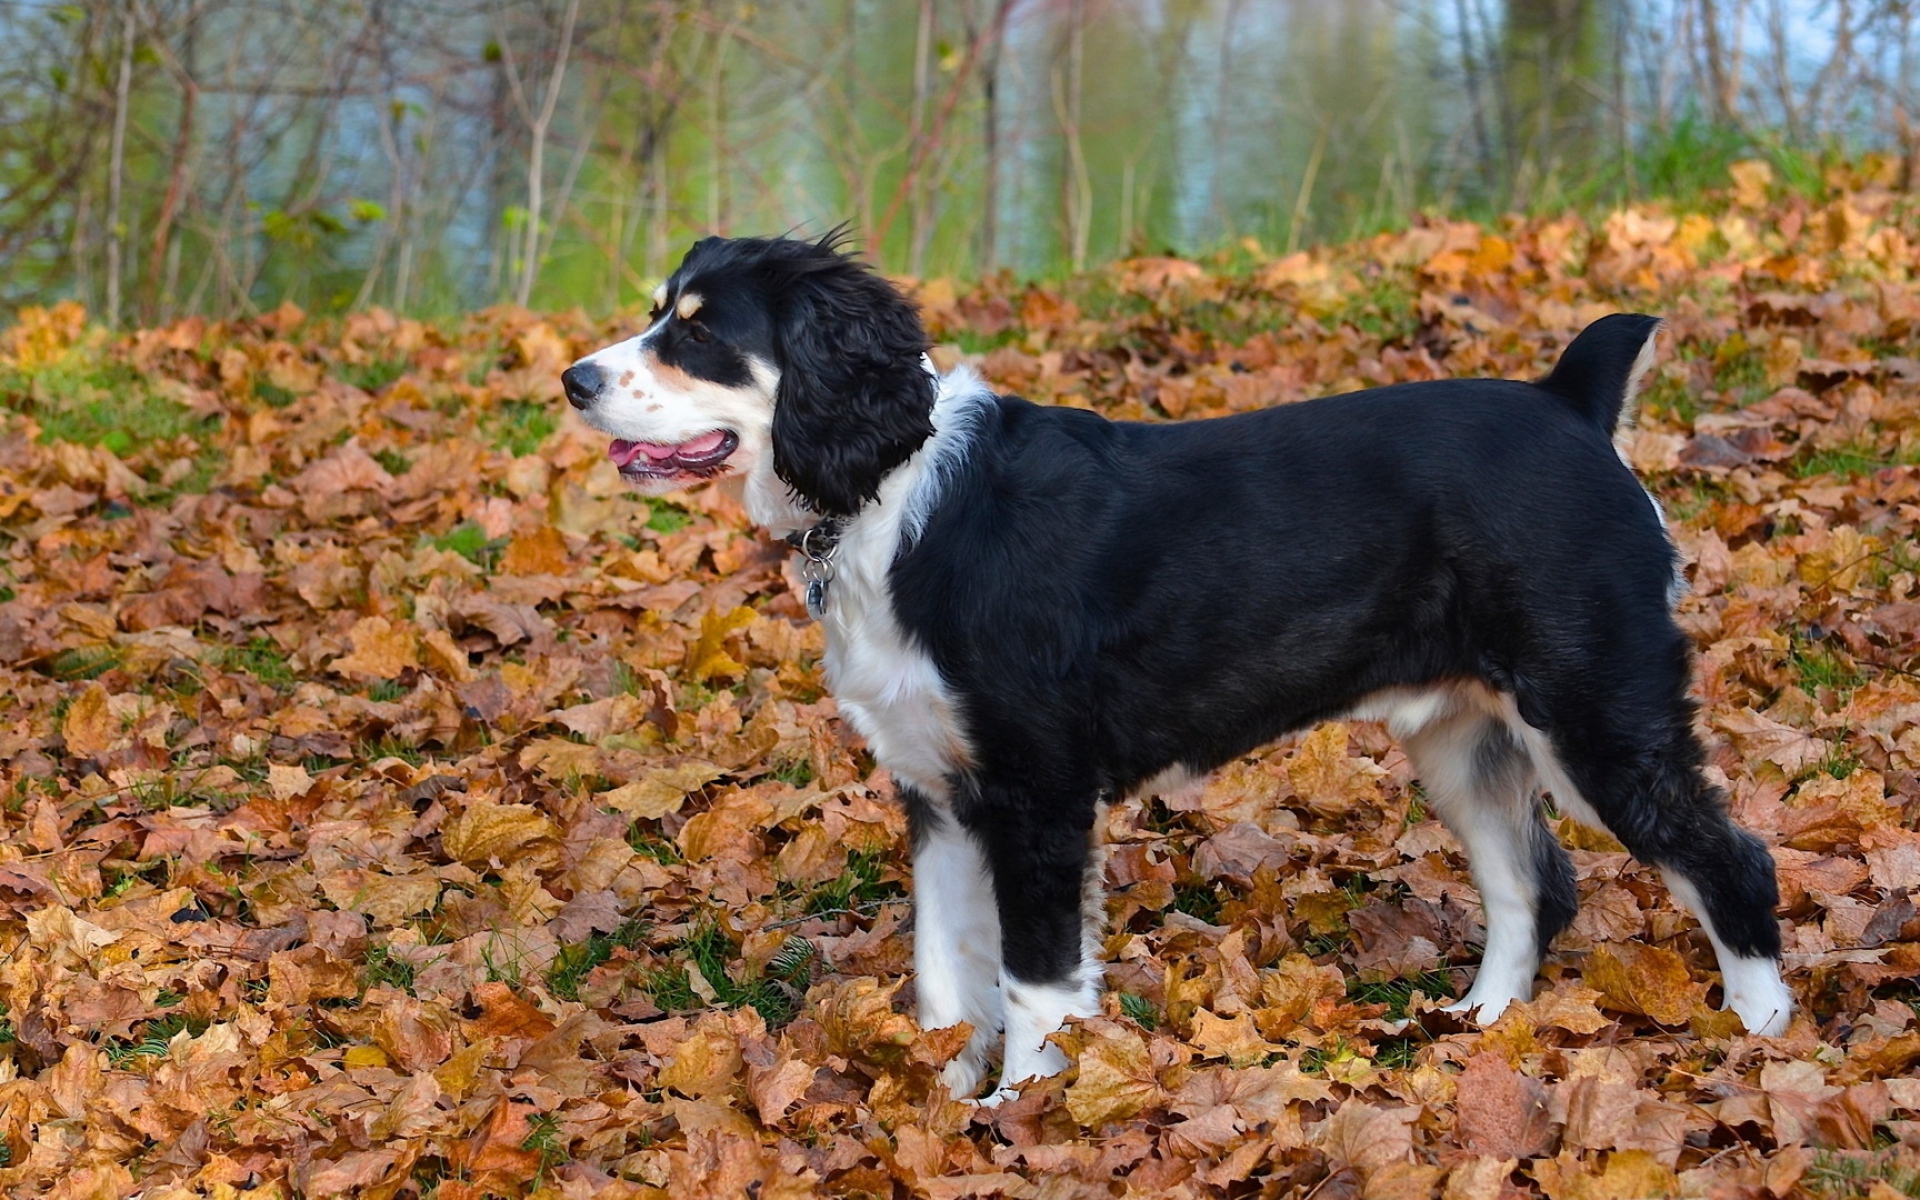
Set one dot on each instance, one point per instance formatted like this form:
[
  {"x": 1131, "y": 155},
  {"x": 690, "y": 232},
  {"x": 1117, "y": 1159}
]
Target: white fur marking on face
[
  {"x": 646, "y": 404},
  {"x": 956, "y": 947},
  {"x": 1753, "y": 986},
  {"x": 660, "y": 296},
  {"x": 688, "y": 305}
]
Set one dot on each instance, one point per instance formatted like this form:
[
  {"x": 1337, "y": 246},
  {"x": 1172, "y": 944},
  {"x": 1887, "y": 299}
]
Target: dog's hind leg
[
  {"x": 1051, "y": 897},
  {"x": 1481, "y": 781},
  {"x": 956, "y": 939},
  {"x": 1612, "y": 735},
  {"x": 1647, "y": 791}
]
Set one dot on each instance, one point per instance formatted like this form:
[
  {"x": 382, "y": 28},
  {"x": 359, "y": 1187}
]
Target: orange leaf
[
  {"x": 1649, "y": 980},
  {"x": 542, "y": 552}
]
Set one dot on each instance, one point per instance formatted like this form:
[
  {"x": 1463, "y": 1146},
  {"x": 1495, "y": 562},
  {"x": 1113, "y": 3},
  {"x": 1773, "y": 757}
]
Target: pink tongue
[
  {"x": 623, "y": 452},
  {"x": 706, "y": 443}
]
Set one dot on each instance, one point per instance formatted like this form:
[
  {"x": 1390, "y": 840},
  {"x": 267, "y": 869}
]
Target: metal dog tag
[{"x": 816, "y": 598}]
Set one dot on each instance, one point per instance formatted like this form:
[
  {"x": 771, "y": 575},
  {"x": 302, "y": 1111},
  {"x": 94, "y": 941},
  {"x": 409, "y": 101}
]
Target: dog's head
[{"x": 765, "y": 352}]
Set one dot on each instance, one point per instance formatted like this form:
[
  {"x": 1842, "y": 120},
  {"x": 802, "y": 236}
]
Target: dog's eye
[
  {"x": 700, "y": 332},
  {"x": 653, "y": 314}
]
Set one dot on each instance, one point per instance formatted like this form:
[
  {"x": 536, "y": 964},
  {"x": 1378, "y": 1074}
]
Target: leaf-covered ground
[{"x": 396, "y": 806}]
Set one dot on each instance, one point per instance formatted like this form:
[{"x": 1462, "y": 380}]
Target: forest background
[{"x": 162, "y": 157}]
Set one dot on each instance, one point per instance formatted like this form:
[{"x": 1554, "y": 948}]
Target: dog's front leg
[
  {"x": 1051, "y": 904},
  {"x": 956, "y": 939}
]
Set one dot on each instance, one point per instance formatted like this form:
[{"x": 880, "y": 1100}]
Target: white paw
[
  {"x": 962, "y": 1075},
  {"x": 1482, "y": 1007},
  {"x": 1756, "y": 991}
]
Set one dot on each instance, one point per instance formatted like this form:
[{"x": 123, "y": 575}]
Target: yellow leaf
[
  {"x": 1232, "y": 1038},
  {"x": 707, "y": 656},
  {"x": 485, "y": 832},
  {"x": 1495, "y": 254},
  {"x": 445, "y": 656},
  {"x": 1116, "y": 1080},
  {"x": 89, "y": 727},
  {"x": 661, "y": 791},
  {"x": 381, "y": 650},
  {"x": 1570, "y": 1007},
  {"x": 1327, "y": 778},
  {"x": 65, "y": 939},
  {"x": 365, "y": 1056},
  {"x": 706, "y": 1061},
  {"x": 1751, "y": 179},
  {"x": 859, "y": 1020}
]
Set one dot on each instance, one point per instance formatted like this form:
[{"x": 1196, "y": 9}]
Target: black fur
[
  {"x": 1108, "y": 599},
  {"x": 853, "y": 401},
  {"x": 1104, "y": 600},
  {"x": 1595, "y": 370}
]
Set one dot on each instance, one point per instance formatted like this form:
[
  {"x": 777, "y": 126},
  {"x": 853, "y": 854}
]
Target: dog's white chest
[
  {"x": 886, "y": 684},
  {"x": 890, "y": 689}
]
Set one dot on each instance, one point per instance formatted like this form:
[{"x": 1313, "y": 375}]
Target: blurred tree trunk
[{"x": 117, "y": 168}]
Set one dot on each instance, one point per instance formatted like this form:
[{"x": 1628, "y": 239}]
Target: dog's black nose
[{"x": 582, "y": 382}]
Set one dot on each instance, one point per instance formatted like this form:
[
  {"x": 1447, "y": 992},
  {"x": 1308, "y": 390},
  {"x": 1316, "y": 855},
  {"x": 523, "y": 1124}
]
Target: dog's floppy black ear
[{"x": 854, "y": 401}]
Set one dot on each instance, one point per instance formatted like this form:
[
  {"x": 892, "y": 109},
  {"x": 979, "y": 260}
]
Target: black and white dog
[{"x": 1031, "y": 611}]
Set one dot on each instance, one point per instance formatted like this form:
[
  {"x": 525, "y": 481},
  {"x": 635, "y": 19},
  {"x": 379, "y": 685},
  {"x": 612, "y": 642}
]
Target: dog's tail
[{"x": 1600, "y": 372}]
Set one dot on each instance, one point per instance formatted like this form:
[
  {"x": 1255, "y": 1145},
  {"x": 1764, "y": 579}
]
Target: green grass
[
  {"x": 389, "y": 746},
  {"x": 1385, "y": 308},
  {"x": 859, "y": 888},
  {"x": 83, "y": 662},
  {"x": 666, "y": 518},
  {"x": 543, "y": 1137},
  {"x": 574, "y": 963},
  {"x": 385, "y": 969},
  {"x": 1316, "y": 945},
  {"x": 471, "y": 542},
  {"x": 646, "y": 840},
  {"x": 261, "y": 658},
  {"x": 372, "y": 375},
  {"x": 775, "y": 993},
  {"x": 97, "y": 404},
  {"x": 1816, "y": 666},
  {"x": 1743, "y": 376},
  {"x": 1199, "y": 900},
  {"x": 152, "y": 1040},
  {"x": 1849, "y": 461},
  {"x": 386, "y": 691},
  {"x": 1397, "y": 994},
  {"x": 1839, "y": 1173},
  {"x": 519, "y": 426},
  {"x": 272, "y": 394},
  {"x": 1674, "y": 397},
  {"x": 1396, "y": 1054},
  {"x": 1140, "y": 1010}
]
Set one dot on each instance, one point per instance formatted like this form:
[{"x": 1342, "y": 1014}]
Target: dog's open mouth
[{"x": 697, "y": 458}]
